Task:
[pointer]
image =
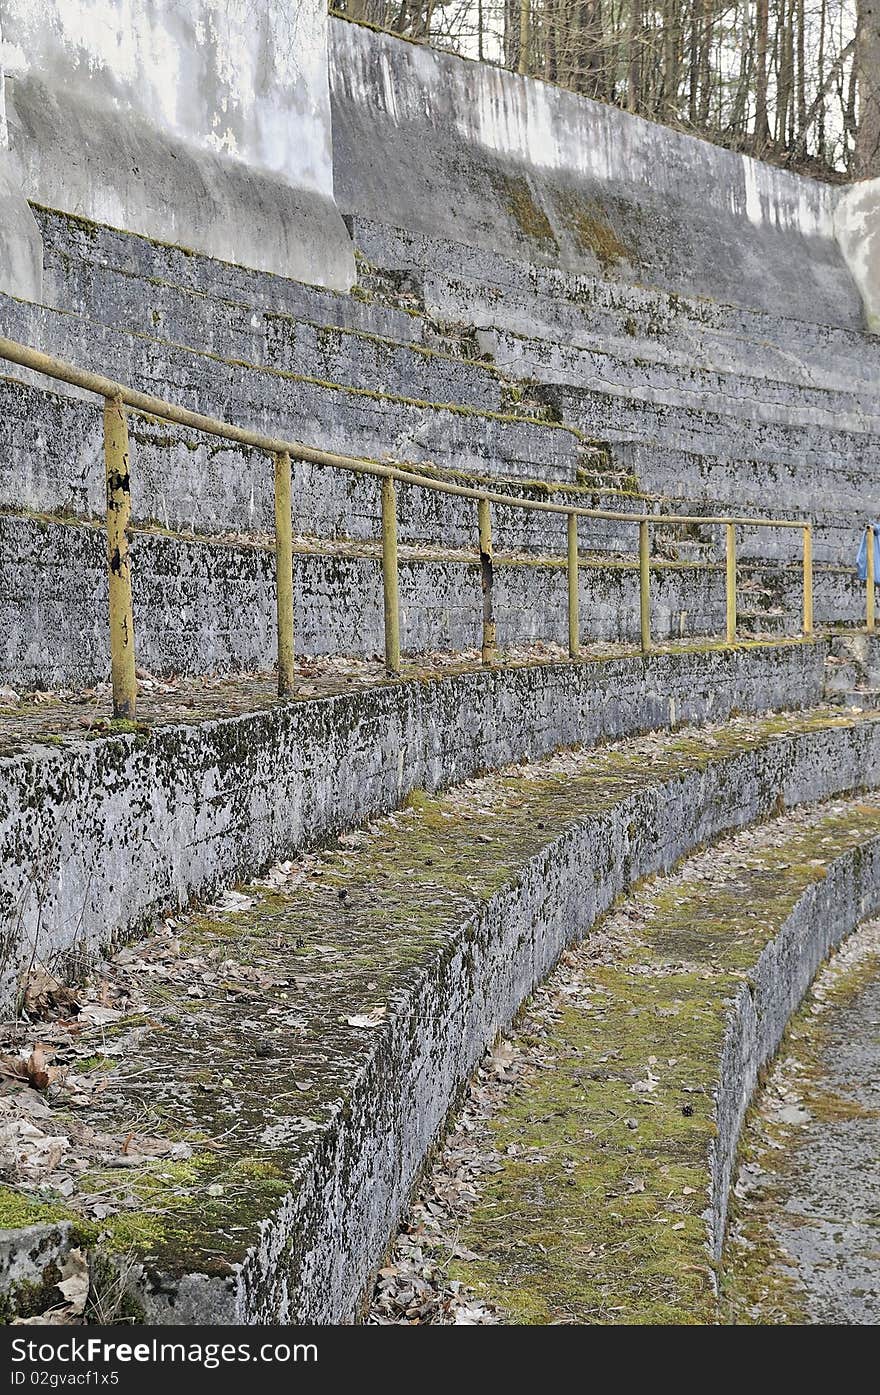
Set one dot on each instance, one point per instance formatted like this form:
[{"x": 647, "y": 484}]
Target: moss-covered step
[
  {"x": 281, "y": 1067},
  {"x": 607, "y": 1154},
  {"x": 102, "y": 831}
]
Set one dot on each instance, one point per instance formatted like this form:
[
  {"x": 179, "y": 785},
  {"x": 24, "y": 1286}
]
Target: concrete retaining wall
[
  {"x": 99, "y": 835},
  {"x": 21, "y": 251},
  {"x": 201, "y": 122},
  {"x": 435, "y": 144}
]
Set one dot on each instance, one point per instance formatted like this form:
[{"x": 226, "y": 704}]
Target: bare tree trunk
[
  {"x": 693, "y": 62},
  {"x": 737, "y": 124},
  {"x": 762, "y": 125},
  {"x": 705, "y": 66},
  {"x": 801, "y": 68},
  {"x": 671, "y": 41},
  {"x": 634, "y": 56},
  {"x": 523, "y": 64},
  {"x": 867, "y": 65},
  {"x": 820, "y": 115}
]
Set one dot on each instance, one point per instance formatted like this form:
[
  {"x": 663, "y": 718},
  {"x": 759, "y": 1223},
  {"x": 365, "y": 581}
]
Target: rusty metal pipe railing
[
  {"x": 489, "y": 648},
  {"x": 574, "y": 620},
  {"x": 117, "y": 397}
]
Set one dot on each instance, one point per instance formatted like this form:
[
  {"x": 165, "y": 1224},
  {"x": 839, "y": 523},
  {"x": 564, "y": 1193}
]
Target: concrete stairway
[
  {"x": 245, "y": 1204},
  {"x": 624, "y": 422}
]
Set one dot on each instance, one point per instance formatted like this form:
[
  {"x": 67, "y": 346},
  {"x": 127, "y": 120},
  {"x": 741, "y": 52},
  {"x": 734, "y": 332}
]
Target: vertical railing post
[
  {"x": 574, "y": 618},
  {"x": 645, "y": 585},
  {"x": 284, "y": 572},
  {"x": 870, "y": 578},
  {"x": 116, "y": 461},
  {"x": 484, "y": 518},
  {"x": 730, "y": 582},
  {"x": 390, "y": 586},
  {"x": 808, "y": 580}
]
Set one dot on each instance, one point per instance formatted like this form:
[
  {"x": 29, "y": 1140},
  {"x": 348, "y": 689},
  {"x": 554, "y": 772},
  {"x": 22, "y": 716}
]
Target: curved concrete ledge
[
  {"x": 99, "y": 835},
  {"x": 826, "y": 913},
  {"x": 315, "y": 1258},
  {"x": 445, "y": 947},
  {"x": 600, "y": 1165}
]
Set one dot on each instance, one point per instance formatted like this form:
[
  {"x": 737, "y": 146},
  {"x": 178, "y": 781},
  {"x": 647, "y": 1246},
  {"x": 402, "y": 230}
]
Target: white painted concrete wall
[
  {"x": 200, "y": 122},
  {"x": 857, "y": 223},
  {"x": 447, "y": 147}
]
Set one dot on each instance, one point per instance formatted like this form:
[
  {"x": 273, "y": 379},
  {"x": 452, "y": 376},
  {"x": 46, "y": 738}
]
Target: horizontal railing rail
[{"x": 117, "y": 397}]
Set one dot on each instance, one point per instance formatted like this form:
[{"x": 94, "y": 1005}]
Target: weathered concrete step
[
  {"x": 632, "y": 323},
  {"x": 204, "y": 606},
  {"x": 86, "y": 262},
  {"x": 51, "y": 461},
  {"x": 631, "y": 1073},
  {"x": 841, "y": 676},
  {"x": 187, "y": 316},
  {"x": 737, "y": 479},
  {"x": 767, "y": 622},
  {"x": 671, "y": 420},
  {"x": 231, "y": 778},
  {"x": 376, "y": 424},
  {"x": 568, "y": 354},
  {"x": 344, "y": 354},
  {"x": 862, "y": 699},
  {"x": 51, "y": 455},
  {"x": 764, "y": 389},
  {"x": 860, "y": 653},
  {"x": 370, "y": 990},
  {"x": 333, "y": 353},
  {"x": 473, "y": 287},
  {"x": 355, "y": 421}
]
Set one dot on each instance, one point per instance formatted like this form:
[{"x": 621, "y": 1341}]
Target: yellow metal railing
[{"x": 118, "y": 470}]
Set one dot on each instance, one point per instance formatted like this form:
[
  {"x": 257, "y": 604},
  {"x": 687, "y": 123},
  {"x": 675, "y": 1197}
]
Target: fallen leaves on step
[
  {"x": 33, "y": 1070},
  {"x": 367, "y": 1019},
  {"x": 502, "y": 1057},
  {"x": 46, "y": 999}
]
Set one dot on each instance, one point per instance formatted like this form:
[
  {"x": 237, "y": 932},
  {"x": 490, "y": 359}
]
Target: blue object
[{"x": 862, "y": 557}]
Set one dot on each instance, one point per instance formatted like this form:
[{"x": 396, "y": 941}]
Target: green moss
[
  {"x": 562, "y": 1232},
  {"x": 18, "y": 1210},
  {"x": 592, "y": 232},
  {"x": 515, "y": 193},
  {"x": 96, "y": 1063},
  {"x": 26, "y": 1299}
]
